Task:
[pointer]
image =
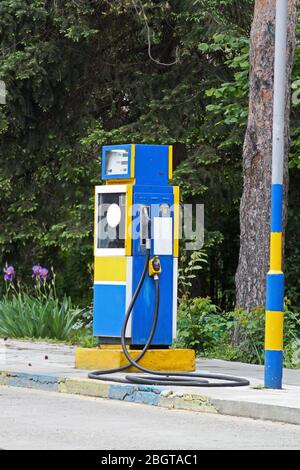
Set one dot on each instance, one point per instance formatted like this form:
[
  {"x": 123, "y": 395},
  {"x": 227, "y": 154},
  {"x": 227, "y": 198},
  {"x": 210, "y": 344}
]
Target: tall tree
[
  {"x": 257, "y": 156},
  {"x": 79, "y": 75}
]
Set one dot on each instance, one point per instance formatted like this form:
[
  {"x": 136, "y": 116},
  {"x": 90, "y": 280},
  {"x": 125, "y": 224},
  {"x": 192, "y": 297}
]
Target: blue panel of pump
[
  {"x": 152, "y": 165},
  {"x": 109, "y": 318},
  {"x": 143, "y": 311}
]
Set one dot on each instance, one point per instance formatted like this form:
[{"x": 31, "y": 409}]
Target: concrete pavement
[
  {"x": 51, "y": 367},
  {"x": 36, "y": 420}
]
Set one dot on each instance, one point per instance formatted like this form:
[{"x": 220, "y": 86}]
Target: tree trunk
[{"x": 257, "y": 155}]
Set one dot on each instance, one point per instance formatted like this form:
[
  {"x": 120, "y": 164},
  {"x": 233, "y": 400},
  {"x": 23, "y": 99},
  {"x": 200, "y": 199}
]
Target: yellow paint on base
[
  {"x": 164, "y": 360},
  {"x": 276, "y": 252},
  {"x": 274, "y": 331},
  {"x": 176, "y": 220},
  {"x": 110, "y": 269}
]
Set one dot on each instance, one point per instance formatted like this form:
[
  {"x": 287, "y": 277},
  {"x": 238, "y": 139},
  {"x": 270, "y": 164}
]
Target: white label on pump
[{"x": 163, "y": 236}]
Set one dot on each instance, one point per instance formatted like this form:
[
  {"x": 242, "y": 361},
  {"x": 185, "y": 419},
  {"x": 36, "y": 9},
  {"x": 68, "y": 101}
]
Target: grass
[{"x": 25, "y": 316}]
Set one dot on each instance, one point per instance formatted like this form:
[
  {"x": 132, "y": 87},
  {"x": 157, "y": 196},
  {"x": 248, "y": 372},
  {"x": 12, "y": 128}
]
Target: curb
[
  {"x": 143, "y": 394},
  {"x": 262, "y": 411},
  {"x": 48, "y": 383},
  {"x": 153, "y": 396}
]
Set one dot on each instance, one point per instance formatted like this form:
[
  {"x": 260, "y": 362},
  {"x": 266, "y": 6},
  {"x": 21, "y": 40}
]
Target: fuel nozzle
[
  {"x": 145, "y": 227},
  {"x": 155, "y": 267}
]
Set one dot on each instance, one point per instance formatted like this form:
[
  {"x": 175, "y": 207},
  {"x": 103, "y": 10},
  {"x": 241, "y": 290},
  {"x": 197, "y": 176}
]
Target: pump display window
[{"x": 111, "y": 221}]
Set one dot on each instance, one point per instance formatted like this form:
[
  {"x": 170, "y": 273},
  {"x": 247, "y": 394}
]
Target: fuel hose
[{"x": 152, "y": 377}]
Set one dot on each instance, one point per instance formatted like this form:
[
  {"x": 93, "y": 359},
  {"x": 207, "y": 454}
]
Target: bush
[
  {"x": 235, "y": 336},
  {"x": 248, "y": 335},
  {"x": 292, "y": 354},
  {"x": 200, "y": 324},
  {"x": 25, "y": 316}
]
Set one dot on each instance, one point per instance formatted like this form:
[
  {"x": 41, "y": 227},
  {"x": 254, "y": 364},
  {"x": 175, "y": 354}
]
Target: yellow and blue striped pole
[{"x": 275, "y": 277}]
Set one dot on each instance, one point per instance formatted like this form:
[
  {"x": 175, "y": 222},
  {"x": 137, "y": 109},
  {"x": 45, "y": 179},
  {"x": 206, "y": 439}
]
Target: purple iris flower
[
  {"x": 43, "y": 274},
  {"x": 39, "y": 273},
  {"x": 36, "y": 271},
  {"x": 9, "y": 273}
]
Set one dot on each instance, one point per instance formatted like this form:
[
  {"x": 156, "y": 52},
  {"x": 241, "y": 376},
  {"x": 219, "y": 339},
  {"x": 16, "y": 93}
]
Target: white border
[
  {"x": 119, "y": 189},
  {"x": 175, "y": 296},
  {"x": 129, "y": 280}
]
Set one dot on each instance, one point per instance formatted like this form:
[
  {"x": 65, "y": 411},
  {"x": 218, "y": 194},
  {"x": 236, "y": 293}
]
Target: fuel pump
[
  {"x": 136, "y": 212},
  {"x": 136, "y": 263}
]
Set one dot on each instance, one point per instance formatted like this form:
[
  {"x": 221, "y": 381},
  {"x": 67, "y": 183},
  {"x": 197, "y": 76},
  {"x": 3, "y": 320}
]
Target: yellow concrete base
[{"x": 173, "y": 360}]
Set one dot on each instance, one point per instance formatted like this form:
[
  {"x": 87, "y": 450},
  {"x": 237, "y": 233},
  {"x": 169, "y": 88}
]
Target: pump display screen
[
  {"x": 117, "y": 162},
  {"x": 111, "y": 220}
]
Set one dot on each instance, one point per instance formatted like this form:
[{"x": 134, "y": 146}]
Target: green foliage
[
  {"x": 79, "y": 75},
  {"x": 83, "y": 338},
  {"x": 24, "y": 316},
  {"x": 234, "y": 336},
  {"x": 295, "y": 129},
  {"x": 200, "y": 324},
  {"x": 36, "y": 312},
  {"x": 292, "y": 355},
  {"x": 293, "y": 227},
  {"x": 229, "y": 107},
  {"x": 248, "y": 335},
  {"x": 85, "y": 321},
  {"x": 190, "y": 265}
]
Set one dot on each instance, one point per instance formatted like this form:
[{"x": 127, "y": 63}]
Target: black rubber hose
[
  {"x": 101, "y": 374},
  {"x": 186, "y": 379}
]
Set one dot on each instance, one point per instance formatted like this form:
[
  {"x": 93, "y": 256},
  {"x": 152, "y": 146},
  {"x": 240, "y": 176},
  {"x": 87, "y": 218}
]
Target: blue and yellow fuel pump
[
  {"x": 136, "y": 270},
  {"x": 138, "y": 198}
]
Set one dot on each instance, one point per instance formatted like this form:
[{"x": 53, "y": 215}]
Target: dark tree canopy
[{"x": 82, "y": 74}]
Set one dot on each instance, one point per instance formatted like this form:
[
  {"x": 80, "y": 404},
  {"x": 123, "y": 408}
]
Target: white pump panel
[{"x": 163, "y": 236}]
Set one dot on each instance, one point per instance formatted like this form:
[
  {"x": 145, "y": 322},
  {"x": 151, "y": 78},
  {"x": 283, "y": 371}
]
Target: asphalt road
[{"x": 42, "y": 420}]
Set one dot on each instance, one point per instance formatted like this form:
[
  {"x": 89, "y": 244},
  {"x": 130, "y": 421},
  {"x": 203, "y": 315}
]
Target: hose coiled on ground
[{"x": 152, "y": 377}]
